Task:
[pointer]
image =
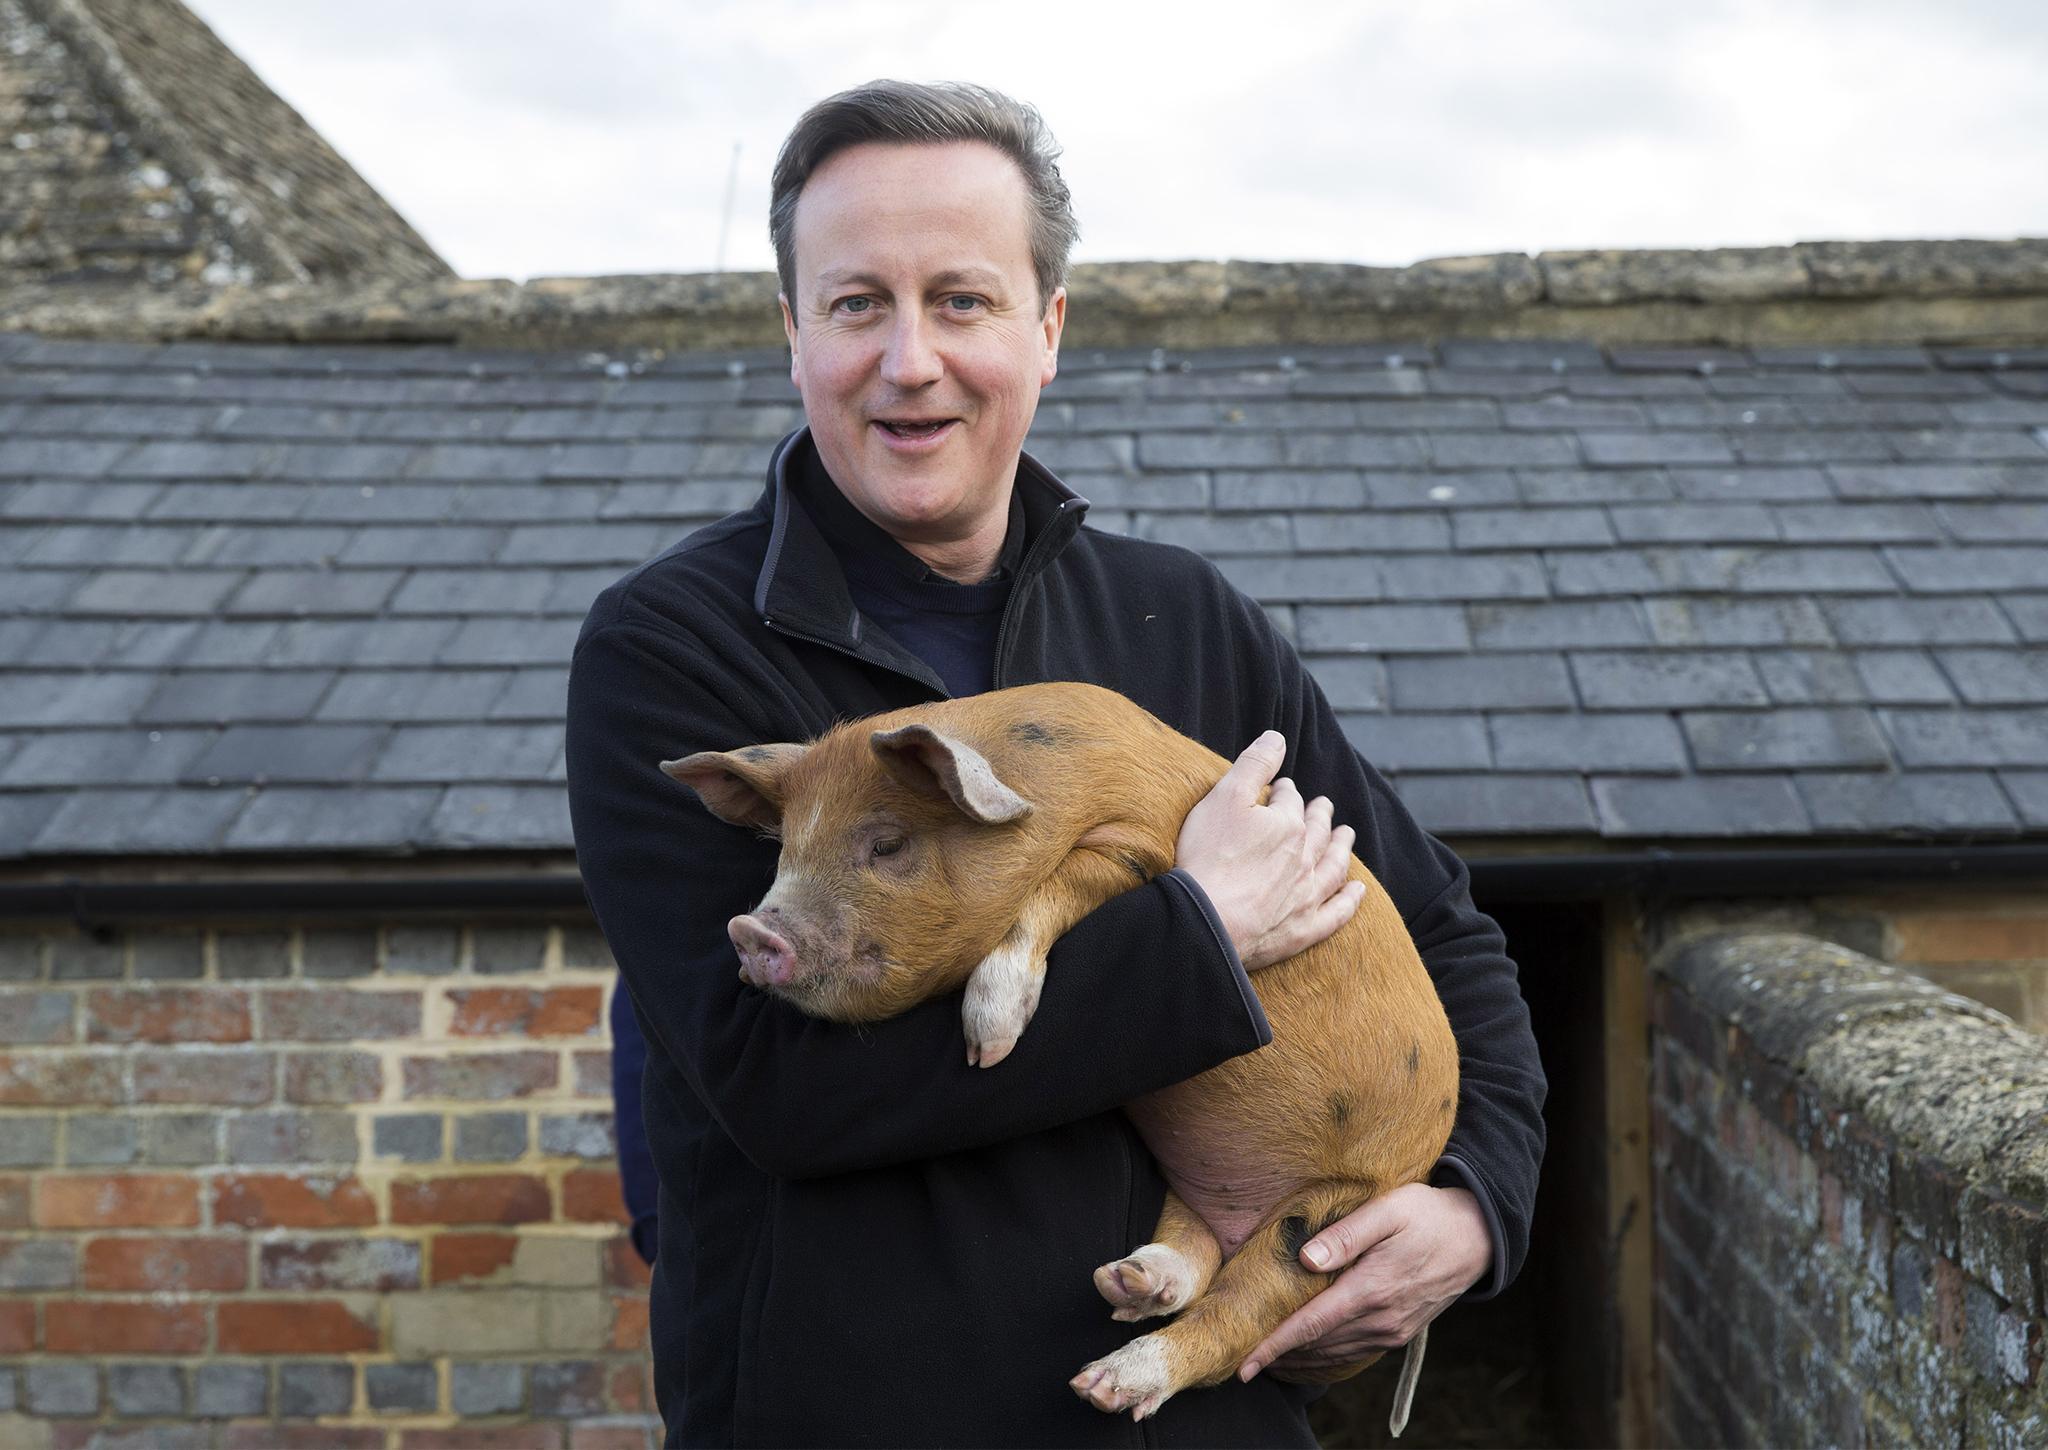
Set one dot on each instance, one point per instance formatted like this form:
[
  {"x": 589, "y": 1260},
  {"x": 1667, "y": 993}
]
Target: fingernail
[
  {"x": 1316, "y": 1254},
  {"x": 1251, "y": 1367}
]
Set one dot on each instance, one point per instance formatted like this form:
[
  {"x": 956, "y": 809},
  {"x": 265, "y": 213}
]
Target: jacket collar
[{"x": 801, "y": 588}]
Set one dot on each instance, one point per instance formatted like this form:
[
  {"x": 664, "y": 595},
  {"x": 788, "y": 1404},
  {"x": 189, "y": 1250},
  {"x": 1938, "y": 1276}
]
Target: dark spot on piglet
[
  {"x": 1294, "y": 1232},
  {"x": 1445, "y": 1106},
  {"x": 1414, "y": 1058},
  {"x": 1340, "y": 1110},
  {"x": 754, "y": 752},
  {"x": 1030, "y": 732},
  {"x": 1135, "y": 867}
]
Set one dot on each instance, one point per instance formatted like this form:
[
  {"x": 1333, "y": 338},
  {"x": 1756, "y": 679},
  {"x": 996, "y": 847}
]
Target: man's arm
[{"x": 803, "y": 1097}]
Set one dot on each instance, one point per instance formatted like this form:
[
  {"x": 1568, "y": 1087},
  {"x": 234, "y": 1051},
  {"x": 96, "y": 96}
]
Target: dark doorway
[{"x": 1530, "y": 1368}]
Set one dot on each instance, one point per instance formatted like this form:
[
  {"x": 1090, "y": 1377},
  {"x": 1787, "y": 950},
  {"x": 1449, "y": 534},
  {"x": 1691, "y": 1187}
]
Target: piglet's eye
[{"x": 887, "y": 846}]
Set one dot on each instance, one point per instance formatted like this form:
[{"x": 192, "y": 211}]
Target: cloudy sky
[{"x": 532, "y": 138}]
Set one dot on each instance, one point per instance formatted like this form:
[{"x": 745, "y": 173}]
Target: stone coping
[
  {"x": 1946, "y": 1075},
  {"x": 1992, "y": 292}
]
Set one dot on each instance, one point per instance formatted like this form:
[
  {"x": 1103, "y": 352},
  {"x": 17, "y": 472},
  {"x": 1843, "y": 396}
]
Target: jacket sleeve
[
  {"x": 1497, "y": 1141},
  {"x": 803, "y": 1097}
]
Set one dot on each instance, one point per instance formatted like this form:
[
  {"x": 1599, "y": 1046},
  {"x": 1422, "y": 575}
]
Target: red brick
[
  {"x": 17, "y": 1326},
  {"x": 534, "y": 1012},
  {"x": 624, "y": 1267},
  {"x": 471, "y": 1256},
  {"x": 292, "y": 1201},
  {"x": 609, "y": 1437},
  {"x": 629, "y": 1322},
  {"x": 166, "y": 1014},
  {"x": 13, "y": 1201},
  {"x": 629, "y": 1390},
  {"x": 234, "y": 1078},
  {"x": 269, "y": 1435},
  {"x": 177, "y": 1265},
  {"x": 116, "y": 1200},
  {"x": 474, "y": 1198},
  {"x": 482, "y": 1076},
  {"x": 30, "y": 1078},
  {"x": 294, "y": 1326},
  {"x": 494, "y": 1437},
  {"x": 592, "y": 1195},
  {"x": 339, "y": 1014},
  {"x": 122, "y": 1326}
]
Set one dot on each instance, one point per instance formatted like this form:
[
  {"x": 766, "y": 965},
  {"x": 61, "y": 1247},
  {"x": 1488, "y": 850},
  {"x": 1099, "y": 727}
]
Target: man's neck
[{"x": 969, "y": 560}]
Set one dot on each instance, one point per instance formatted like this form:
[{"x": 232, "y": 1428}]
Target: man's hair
[{"x": 908, "y": 113}]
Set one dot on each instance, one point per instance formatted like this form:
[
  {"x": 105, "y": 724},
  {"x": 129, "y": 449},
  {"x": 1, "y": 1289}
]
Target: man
[{"x": 862, "y": 1238}]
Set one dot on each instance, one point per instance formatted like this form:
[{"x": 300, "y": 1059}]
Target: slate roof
[
  {"x": 141, "y": 150},
  {"x": 321, "y": 597}
]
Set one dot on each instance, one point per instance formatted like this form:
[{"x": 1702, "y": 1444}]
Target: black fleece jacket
[{"x": 863, "y": 1239}]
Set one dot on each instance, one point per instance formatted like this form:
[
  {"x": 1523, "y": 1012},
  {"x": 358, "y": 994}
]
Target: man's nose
[{"x": 910, "y": 358}]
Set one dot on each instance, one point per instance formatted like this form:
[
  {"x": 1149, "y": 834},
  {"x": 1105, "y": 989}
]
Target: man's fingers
[
  {"x": 1305, "y": 1324},
  {"x": 1334, "y": 865},
  {"x": 1350, "y": 1236},
  {"x": 1255, "y": 765}
]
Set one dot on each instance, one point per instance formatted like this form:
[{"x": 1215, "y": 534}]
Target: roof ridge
[{"x": 1834, "y": 293}]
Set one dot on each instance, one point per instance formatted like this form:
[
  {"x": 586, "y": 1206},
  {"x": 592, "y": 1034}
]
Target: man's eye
[
  {"x": 963, "y": 304},
  {"x": 887, "y": 846},
  {"x": 855, "y": 305}
]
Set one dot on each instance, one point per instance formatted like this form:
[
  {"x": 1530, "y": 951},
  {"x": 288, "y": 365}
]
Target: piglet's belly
[{"x": 1231, "y": 1182}]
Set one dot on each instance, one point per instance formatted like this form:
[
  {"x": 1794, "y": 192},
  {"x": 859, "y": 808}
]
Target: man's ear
[
  {"x": 743, "y": 787},
  {"x": 938, "y": 765},
  {"x": 788, "y": 331},
  {"x": 1054, "y": 323}
]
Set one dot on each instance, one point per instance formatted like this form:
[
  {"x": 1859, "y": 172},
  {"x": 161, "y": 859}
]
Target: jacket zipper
[{"x": 1026, "y": 576}]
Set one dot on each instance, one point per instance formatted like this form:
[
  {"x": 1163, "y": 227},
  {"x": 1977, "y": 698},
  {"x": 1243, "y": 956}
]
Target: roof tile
[
  {"x": 1420, "y": 742},
  {"x": 208, "y": 697},
  {"x": 1998, "y": 676},
  {"x": 1557, "y": 624},
  {"x": 1737, "y": 622},
  {"x": 1641, "y": 679},
  {"x": 1735, "y": 805},
  {"x": 1968, "y": 739},
  {"x": 1618, "y": 742},
  {"x": 294, "y": 818},
  {"x": 71, "y": 758},
  {"x": 1384, "y": 628},
  {"x": 323, "y": 754},
  {"x": 140, "y": 822},
  {"x": 1749, "y": 740},
  {"x": 501, "y": 816},
  {"x": 433, "y": 754},
  {"x": 129, "y": 592},
  {"x": 1921, "y": 802},
  {"x": 316, "y": 591},
  {"x": 395, "y": 695},
  {"x": 1498, "y": 805},
  {"x": 1917, "y": 621},
  {"x": 1498, "y": 682}
]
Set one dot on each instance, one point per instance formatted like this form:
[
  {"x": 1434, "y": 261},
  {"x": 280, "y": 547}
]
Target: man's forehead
[
  {"x": 961, "y": 276},
  {"x": 875, "y": 204}
]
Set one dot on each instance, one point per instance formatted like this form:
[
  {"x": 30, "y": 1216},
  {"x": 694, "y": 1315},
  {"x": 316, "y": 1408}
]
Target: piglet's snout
[{"x": 766, "y": 958}]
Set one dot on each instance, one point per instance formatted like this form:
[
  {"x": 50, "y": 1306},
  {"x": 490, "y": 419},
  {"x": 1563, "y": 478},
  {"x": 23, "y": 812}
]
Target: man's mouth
[{"x": 913, "y": 430}]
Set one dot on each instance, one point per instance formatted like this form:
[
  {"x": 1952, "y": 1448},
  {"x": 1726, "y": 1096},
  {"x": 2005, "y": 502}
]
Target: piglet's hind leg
[
  {"x": 1261, "y": 1285},
  {"x": 1167, "y": 1274}
]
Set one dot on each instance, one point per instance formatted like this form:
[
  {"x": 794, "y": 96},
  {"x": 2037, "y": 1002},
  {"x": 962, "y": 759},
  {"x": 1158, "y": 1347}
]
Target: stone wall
[
  {"x": 1824, "y": 295},
  {"x": 1851, "y": 1167},
  {"x": 342, "y": 1185}
]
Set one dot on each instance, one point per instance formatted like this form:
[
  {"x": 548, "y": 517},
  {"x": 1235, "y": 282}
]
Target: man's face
[{"x": 916, "y": 335}]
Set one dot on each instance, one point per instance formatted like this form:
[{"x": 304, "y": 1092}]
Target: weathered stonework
[
  {"x": 1833, "y": 294},
  {"x": 1850, "y": 1204}
]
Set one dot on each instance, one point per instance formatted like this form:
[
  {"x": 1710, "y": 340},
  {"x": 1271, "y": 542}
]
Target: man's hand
[
  {"x": 1410, "y": 1254},
  {"x": 1276, "y": 873}
]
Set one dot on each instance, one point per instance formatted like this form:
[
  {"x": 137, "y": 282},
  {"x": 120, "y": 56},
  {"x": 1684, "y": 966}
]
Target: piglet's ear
[
  {"x": 740, "y": 786},
  {"x": 938, "y": 765}
]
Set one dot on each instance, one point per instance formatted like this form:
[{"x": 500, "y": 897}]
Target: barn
[{"x": 1699, "y": 599}]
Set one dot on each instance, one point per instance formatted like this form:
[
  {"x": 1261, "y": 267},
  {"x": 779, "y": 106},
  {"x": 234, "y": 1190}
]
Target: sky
[{"x": 534, "y": 138}]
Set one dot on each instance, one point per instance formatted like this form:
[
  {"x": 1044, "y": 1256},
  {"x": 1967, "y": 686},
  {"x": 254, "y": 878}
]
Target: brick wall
[
  {"x": 1851, "y": 1167},
  {"x": 336, "y": 1186}
]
